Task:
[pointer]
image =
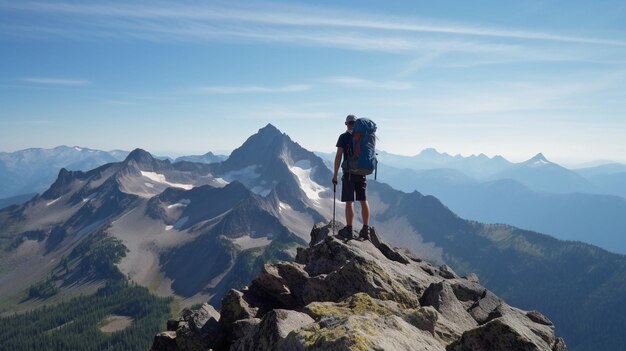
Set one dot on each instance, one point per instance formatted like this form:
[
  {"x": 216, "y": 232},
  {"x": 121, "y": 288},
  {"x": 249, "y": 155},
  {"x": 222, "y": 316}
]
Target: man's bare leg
[
  {"x": 365, "y": 212},
  {"x": 349, "y": 213}
]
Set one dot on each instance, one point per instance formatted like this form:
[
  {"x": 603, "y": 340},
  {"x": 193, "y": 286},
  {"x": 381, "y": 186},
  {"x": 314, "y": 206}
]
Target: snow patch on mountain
[
  {"x": 302, "y": 170},
  {"x": 181, "y": 203},
  {"x": 541, "y": 162},
  {"x": 160, "y": 178},
  {"x": 220, "y": 182},
  {"x": 53, "y": 201},
  {"x": 247, "y": 242},
  {"x": 245, "y": 175},
  {"x": 90, "y": 197}
]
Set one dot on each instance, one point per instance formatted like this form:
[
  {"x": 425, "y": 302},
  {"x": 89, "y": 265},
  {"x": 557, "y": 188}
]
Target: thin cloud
[
  {"x": 303, "y": 16},
  {"x": 251, "y": 89},
  {"x": 293, "y": 25},
  {"x": 505, "y": 97},
  {"x": 353, "y": 82},
  {"x": 56, "y": 81}
]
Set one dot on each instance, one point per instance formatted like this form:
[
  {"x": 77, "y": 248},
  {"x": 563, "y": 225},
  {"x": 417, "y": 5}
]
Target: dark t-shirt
[{"x": 345, "y": 142}]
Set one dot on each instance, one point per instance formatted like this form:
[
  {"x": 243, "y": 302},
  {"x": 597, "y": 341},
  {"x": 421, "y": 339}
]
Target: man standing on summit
[{"x": 351, "y": 184}]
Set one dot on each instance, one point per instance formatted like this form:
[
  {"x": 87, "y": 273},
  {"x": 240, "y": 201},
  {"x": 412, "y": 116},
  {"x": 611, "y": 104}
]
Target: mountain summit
[
  {"x": 537, "y": 160},
  {"x": 359, "y": 295}
]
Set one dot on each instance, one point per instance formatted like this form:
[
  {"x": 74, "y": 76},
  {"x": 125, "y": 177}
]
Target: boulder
[
  {"x": 441, "y": 296},
  {"x": 165, "y": 341},
  {"x": 447, "y": 272},
  {"x": 503, "y": 334},
  {"x": 244, "y": 333},
  {"x": 276, "y": 325},
  {"x": 234, "y": 308},
  {"x": 482, "y": 309},
  {"x": 281, "y": 283},
  {"x": 537, "y": 317},
  {"x": 199, "y": 329}
]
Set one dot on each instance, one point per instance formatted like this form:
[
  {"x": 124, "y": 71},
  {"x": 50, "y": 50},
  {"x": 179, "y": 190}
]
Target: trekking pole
[{"x": 334, "y": 204}]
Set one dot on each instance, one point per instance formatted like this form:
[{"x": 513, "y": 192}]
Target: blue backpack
[{"x": 362, "y": 156}]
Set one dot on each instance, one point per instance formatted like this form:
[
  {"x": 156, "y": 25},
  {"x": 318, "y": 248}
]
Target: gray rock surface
[{"x": 357, "y": 295}]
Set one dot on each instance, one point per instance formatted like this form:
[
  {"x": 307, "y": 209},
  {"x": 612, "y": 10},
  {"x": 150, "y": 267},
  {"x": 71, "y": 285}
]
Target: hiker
[{"x": 351, "y": 184}]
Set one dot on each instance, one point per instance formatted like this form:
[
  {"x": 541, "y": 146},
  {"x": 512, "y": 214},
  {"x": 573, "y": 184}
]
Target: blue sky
[{"x": 493, "y": 77}]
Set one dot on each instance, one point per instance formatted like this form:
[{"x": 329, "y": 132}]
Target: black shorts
[{"x": 356, "y": 184}]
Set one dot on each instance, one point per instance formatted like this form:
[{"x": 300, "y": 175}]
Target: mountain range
[
  {"x": 536, "y": 194},
  {"x": 32, "y": 171},
  {"x": 585, "y": 205},
  {"x": 195, "y": 230}
]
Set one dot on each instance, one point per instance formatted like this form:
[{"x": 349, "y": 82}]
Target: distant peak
[
  {"x": 429, "y": 151},
  {"x": 269, "y": 128},
  {"x": 139, "y": 155},
  {"x": 538, "y": 159}
]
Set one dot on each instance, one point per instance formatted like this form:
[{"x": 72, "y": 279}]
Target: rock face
[{"x": 357, "y": 295}]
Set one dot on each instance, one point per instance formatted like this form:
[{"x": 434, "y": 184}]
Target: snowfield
[
  {"x": 160, "y": 178},
  {"x": 246, "y": 242},
  {"x": 302, "y": 170},
  {"x": 181, "y": 203}
]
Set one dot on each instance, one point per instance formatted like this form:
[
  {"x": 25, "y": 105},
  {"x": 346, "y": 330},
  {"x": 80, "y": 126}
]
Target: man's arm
[{"x": 338, "y": 157}]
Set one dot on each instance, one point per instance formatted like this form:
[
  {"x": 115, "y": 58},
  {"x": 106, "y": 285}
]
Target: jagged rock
[
  {"x": 366, "y": 295},
  {"x": 467, "y": 291},
  {"x": 276, "y": 325},
  {"x": 198, "y": 329},
  {"x": 441, "y": 296},
  {"x": 424, "y": 318},
  {"x": 447, "y": 272},
  {"x": 559, "y": 345},
  {"x": 472, "y": 277},
  {"x": 357, "y": 275},
  {"x": 321, "y": 231},
  {"x": 392, "y": 254},
  {"x": 282, "y": 282},
  {"x": 503, "y": 334},
  {"x": 244, "y": 333},
  {"x": 234, "y": 308},
  {"x": 165, "y": 341},
  {"x": 374, "y": 238},
  {"x": 481, "y": 310},
  {"x": 538, "y": 318}
]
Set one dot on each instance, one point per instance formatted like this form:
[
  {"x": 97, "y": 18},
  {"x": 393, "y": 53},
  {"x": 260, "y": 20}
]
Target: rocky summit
[{"x": 359, "y": 295}]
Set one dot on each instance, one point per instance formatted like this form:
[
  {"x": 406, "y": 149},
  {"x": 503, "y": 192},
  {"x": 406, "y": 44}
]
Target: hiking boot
[
  {"x": 364, "y": 234},
  {"x": 345, "y": 233}
]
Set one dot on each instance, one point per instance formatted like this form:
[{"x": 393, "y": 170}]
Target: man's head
[{"x": 350, "y": 121}]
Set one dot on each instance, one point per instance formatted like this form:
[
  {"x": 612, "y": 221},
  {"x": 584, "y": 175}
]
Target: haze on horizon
[{"x": 191, "y": 77}]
